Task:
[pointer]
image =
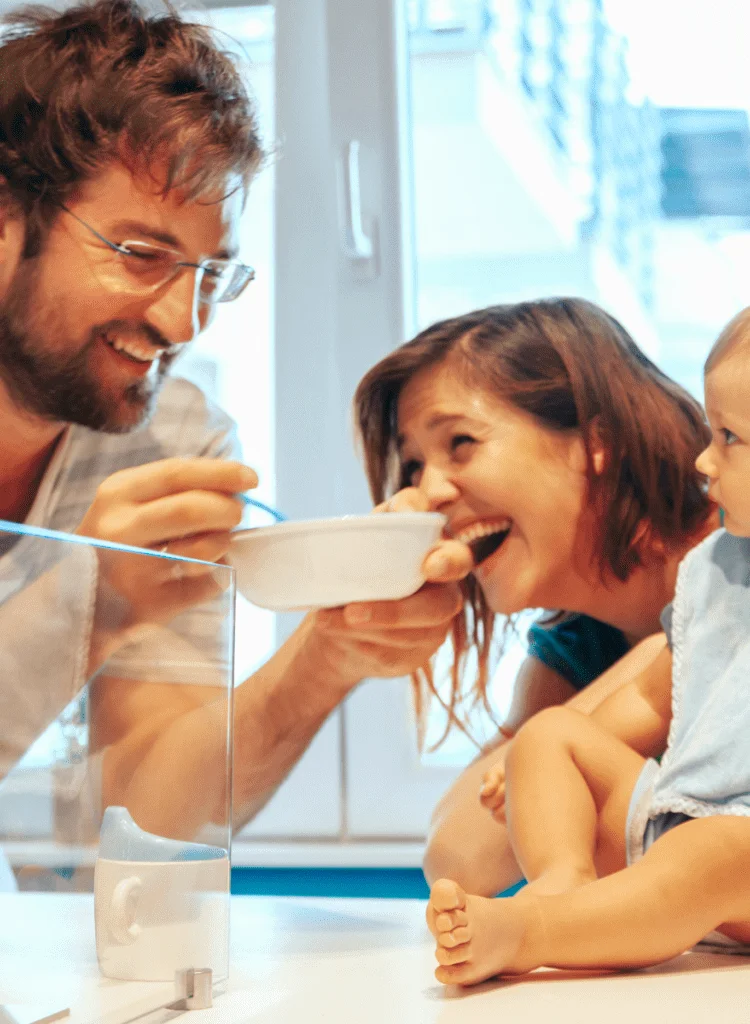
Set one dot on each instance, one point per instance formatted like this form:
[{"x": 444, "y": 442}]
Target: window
[
  {"x": 562, "y": 148},
  {"x": 623, "y": 176},
  {"x": 506, "y": 149}
]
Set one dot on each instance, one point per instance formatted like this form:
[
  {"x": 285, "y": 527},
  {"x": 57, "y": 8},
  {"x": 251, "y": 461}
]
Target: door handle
[{"x": 358, "y": 245}]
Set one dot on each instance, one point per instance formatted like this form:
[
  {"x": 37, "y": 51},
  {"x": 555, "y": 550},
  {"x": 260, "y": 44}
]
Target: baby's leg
[
  {"x": 692, "y": 880},
  {"x": 569, "y": 788}
]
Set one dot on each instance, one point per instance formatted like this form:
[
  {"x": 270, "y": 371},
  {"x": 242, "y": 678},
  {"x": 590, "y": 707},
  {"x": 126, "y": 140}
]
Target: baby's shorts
[{"x": 641, "y": 832}]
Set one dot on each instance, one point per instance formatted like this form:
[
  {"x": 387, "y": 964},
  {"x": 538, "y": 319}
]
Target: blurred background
[{"x": 507, "y": 149}]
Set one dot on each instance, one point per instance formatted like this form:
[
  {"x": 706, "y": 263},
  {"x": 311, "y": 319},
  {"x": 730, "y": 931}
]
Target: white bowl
[{"x": 322, "y": 563}]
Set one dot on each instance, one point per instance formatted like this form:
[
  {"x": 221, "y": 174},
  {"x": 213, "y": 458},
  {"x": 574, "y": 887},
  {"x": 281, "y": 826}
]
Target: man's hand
[
  {"x": 449, "y": 560},
  {"x": 394, "y": 638},
  {"x": 188, "y": 505},
  {"x": 385, "y": 638}
]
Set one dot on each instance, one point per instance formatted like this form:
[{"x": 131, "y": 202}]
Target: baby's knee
[
  {"x": 550, "y": 729},
  {"x": 555, "y": 724}
]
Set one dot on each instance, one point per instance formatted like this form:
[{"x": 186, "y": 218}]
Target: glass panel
[
  {"x": 116, "y": 669},
  {"x": 248, "y": 360},
  {"x": 560, "y": 148},
  {"x": 233, "y": 360}
]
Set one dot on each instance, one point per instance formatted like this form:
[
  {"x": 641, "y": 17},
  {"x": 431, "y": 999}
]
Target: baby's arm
[
  {"x": 492, "y": 793},
  {"x": 640, "y": 712}
]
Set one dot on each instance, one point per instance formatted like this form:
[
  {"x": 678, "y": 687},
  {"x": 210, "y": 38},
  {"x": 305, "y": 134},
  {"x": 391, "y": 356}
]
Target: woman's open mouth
[{"x": 484, "y": 539}]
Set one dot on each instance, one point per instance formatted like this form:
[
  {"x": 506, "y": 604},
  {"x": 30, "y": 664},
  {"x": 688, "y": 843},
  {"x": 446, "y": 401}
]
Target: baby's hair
[{"x": 734, "y": 338}]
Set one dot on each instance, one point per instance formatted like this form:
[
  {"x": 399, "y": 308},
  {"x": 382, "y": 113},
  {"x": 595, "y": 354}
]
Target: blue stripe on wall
[
  {"x": 384, "y": 883},
  {"x": 390, "y": 883}
]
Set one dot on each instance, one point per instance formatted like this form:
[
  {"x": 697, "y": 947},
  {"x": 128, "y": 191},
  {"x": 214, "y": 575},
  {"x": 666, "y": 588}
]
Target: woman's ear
[
  {"x": 599, "y": 453},
  {"x": 647, "y": 543}
]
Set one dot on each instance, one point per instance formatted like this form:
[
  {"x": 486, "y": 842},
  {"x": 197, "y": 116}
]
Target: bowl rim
[{"x": 328, "y": 523}]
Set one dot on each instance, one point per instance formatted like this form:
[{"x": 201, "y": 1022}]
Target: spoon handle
[{"x": 278, "y": 516}]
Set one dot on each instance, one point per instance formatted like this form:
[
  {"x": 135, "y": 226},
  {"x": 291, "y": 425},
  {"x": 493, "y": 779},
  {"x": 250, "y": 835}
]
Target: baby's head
[{"x": 726, "y": 461}]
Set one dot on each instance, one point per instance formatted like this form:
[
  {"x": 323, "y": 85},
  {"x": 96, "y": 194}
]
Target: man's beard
[{"x": 44, "y": 381}]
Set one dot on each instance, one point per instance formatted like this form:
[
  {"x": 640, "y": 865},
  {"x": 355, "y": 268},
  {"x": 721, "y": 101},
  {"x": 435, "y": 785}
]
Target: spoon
[{"x": 278, "y": 516}]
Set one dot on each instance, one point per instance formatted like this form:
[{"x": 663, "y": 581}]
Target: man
[{"x": 127, "y": 145}]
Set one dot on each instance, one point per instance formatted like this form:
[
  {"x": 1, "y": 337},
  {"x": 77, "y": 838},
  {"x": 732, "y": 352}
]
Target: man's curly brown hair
[{"x": 105, "y": 82}]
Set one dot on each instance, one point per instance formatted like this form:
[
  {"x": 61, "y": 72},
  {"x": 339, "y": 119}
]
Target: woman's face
[{"x": 511, "y": 489}]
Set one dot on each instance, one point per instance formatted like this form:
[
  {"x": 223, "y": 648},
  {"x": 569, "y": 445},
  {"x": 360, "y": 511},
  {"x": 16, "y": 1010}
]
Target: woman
[{"x": 565, "y": 460}]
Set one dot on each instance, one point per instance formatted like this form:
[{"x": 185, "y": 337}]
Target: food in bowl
[{"x": 322, "y": 563}]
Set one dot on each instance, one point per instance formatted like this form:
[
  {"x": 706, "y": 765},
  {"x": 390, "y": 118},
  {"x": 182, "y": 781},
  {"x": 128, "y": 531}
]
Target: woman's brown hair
[
  {"x": 572, "y": 367},
  {"x": 106, "y": 81}
]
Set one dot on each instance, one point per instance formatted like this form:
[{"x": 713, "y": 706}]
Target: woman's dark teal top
[{"x": 578, "y": 647}]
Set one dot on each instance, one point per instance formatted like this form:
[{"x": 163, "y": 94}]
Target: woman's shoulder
[
  {"x": 570, "y": 624},
  {"x": 577, "y": 646}
]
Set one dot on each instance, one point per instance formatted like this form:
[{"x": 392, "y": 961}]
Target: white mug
[{"x": 156, "y": 917}]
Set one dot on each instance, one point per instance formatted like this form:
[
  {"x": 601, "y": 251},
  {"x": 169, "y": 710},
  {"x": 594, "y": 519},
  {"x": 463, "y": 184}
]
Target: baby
[{"x": 631, "y": 862}]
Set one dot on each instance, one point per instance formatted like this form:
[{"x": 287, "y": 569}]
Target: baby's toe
[
  {"x": 449, "y": 957},
  {"x": 455, "y": 938},
  {"x": 446, "y": 922},
  {"x": 447, "y": 895},
  {"x": 452, "y": 975}
]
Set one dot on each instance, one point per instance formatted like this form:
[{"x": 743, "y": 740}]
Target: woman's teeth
[
  {"x": 477, "y": 530},
  {"x": 485, "y": 538}
]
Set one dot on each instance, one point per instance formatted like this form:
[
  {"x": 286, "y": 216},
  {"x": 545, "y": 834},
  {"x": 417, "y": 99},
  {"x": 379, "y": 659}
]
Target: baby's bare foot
[{"x": 478, "y": 938}]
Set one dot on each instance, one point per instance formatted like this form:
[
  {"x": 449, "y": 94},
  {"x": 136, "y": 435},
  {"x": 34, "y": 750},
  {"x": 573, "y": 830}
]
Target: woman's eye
[
  {"x": 459, "y": 440},
  {"x": 728, "y": 436},
  {"x": 409, "y": 471}
]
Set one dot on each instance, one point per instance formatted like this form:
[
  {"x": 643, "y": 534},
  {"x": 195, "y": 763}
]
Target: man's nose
[{"x": 175, "y": 309}]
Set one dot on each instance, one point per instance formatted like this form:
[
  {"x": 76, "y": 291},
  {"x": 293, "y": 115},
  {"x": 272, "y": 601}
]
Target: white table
[{"x": 309, "y": 961}]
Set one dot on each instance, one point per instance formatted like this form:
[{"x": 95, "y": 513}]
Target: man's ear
[{"x": 12, "y": 236}]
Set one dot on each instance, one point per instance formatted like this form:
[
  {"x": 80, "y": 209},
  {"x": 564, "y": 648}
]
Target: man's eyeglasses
[{"x": 148, "y": 267}]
